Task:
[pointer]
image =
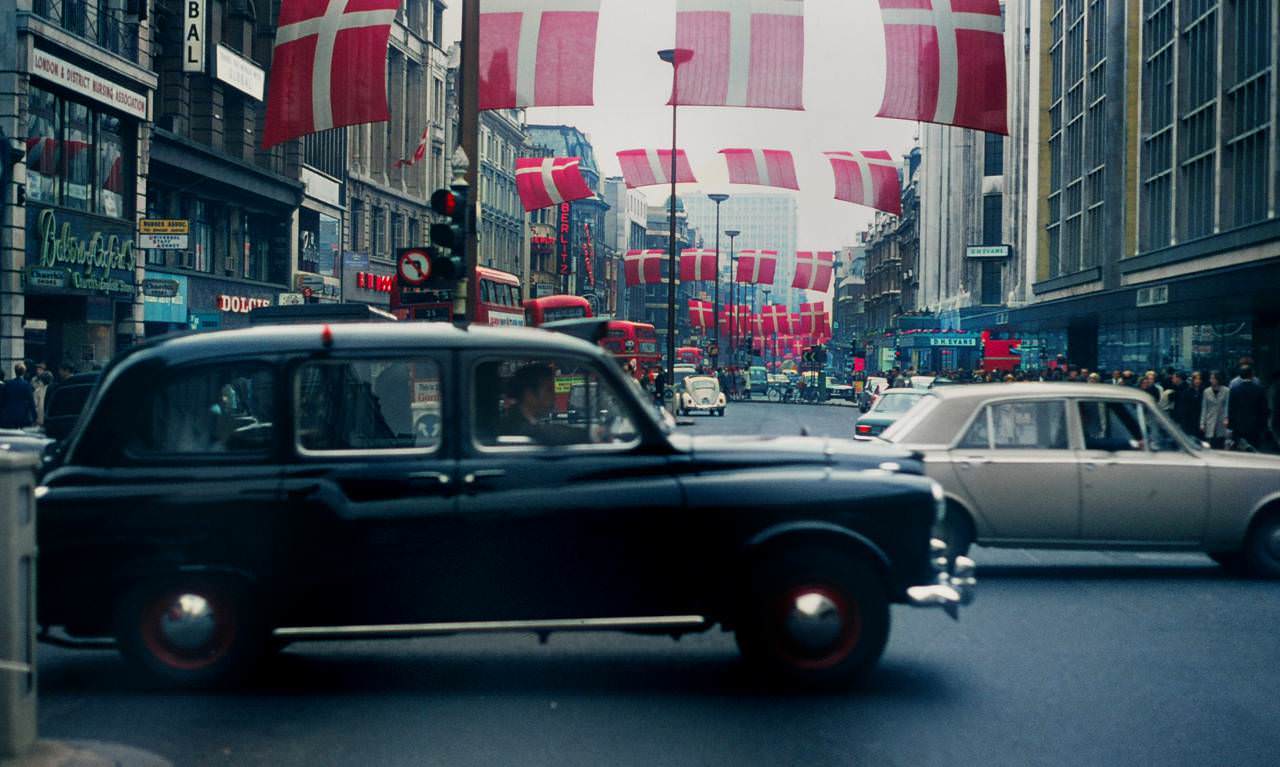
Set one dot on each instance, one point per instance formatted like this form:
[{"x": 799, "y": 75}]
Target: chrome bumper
[{"x": 953, "y": 582}]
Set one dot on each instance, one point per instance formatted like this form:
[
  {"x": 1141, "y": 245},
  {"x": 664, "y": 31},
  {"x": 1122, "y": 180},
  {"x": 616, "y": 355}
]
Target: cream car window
[{"x": 1029, "y": 426}]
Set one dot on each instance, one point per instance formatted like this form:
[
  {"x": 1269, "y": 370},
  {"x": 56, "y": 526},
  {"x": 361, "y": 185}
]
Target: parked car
[
  {"x": 871, "y": 390},
  {"x": 233, "y": 491},
  {"x": 701, "y": 393},
  {"x": 64, "y": 402},
  {"x": 888, "y": 408},
  {"x": 1098, "y": 467}
]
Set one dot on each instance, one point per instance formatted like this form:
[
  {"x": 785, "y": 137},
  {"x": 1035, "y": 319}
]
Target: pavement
[{"x": 1065, "y": 658}]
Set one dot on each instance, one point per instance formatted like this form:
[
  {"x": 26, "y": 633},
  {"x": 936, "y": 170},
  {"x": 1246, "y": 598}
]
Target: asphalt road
[{"x": 1064, "y": 659}]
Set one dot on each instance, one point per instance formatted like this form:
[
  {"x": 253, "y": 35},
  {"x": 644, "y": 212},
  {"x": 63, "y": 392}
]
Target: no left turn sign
[{"x": 415, "y": 266}]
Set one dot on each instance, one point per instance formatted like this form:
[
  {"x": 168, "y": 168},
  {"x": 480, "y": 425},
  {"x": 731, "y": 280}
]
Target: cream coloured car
[{"x": 1089, "y": 466}]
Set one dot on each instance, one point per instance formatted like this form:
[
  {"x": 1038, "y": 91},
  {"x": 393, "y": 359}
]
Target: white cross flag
[{"x": 746, "y": 53}]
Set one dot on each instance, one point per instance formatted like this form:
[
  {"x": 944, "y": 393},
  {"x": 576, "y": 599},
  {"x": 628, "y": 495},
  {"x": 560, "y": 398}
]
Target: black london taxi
[{"x": 231, "y": 492}]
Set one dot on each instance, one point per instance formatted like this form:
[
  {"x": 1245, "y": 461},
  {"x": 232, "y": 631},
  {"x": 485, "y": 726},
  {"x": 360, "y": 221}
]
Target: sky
[{"x": 844, "y": 83}]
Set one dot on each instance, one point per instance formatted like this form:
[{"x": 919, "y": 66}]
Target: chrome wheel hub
[
  {"x": 188, "y": 623},
  {"x": 814, "y": 622},
  {"x": 1273, "y": 542}
]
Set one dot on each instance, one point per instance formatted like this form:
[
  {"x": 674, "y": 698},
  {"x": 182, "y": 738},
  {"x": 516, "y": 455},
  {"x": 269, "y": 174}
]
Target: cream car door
[
  {"x": 1140, "y": 484},
  {"x": 1017, "y": 468}
]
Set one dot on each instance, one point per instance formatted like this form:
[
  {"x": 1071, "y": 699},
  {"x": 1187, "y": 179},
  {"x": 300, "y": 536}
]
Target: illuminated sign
[
  {"x": 241, "y": 304},
  {"x": 562, "y": 241},
  {"x": 379, "y": 282}
]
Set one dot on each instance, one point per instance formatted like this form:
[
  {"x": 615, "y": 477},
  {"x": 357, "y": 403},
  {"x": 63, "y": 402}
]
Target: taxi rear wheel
[
  {"x": 814, "y": 618},
  {"x": 1262, "y": 548},
  {"x": 189, "y": 630}
]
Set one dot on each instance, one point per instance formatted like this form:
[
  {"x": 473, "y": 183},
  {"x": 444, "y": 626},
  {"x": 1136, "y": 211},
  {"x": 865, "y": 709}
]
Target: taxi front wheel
[{"x": 189, "y": 630}]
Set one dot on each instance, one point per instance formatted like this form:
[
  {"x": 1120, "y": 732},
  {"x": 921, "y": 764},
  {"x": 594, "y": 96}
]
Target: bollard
[{"x": 17, "y": 604}]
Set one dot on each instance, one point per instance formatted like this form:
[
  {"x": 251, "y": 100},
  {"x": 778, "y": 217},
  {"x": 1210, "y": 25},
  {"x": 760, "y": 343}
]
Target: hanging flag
[
  {"x": 418, "y": 154},
  {"x": 945, "y": 63},
  {"x": 775, "y": 319},
  {"x": 762, "y": 167},
  {"x": 697, "y": 264},
  {"x": 757, "y": 267},
  {"x": 746, "y": 53},
  {"x": 643, "y": 267},
  {"x": 867, "y": 178},
  {"x": 700, "y": 313},
  {"x": 546, "y": 181},
  {"x": 537, "y": 53},
  {"x": 329, "y": 67},
  {"x": 813, "y": 318},
  {"x": 813, "y": 270},
  {"x": 650, "y": 167}
]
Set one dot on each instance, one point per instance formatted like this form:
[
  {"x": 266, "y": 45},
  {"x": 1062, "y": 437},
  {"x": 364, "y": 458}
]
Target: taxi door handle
[
  {"x": 969, "y": 463},
  {"x": 470, "y": 478},
  {"x": 430, "y": 475}
]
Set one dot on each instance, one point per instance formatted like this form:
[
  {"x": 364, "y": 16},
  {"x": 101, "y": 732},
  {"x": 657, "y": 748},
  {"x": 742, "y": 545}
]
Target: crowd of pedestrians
[{"x": 23, "y": 397}]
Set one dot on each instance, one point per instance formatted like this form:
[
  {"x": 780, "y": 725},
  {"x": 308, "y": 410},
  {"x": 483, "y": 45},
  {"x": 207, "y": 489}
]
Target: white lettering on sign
[
  {"x": 88, "y": 84},
  {"x": 241, "y": 304},
  {"x": 193, "y": 47}
]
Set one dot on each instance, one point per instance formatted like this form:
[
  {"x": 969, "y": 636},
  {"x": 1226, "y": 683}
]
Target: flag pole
[{"x": 469, "y": 119}]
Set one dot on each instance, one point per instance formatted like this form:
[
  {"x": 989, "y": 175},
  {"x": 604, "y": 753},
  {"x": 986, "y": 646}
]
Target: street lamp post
[
  {"x": 717, "y": 199},
  {"x": 675, "y": 57},
  {"x": 764, "y": 346},
  {"x": 733, "y": 294}
]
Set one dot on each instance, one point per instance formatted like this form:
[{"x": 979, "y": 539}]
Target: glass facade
[{"x": 1142, "y": 346}]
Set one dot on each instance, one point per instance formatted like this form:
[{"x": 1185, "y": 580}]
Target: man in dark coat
[
  {"x": 1247, "y": 409},
  {"x": 1186, "y": 405},
  {"x": 19, "y": 407}
]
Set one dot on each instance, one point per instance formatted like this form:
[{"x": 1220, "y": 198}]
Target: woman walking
[{"x": 1213, "y": 411}]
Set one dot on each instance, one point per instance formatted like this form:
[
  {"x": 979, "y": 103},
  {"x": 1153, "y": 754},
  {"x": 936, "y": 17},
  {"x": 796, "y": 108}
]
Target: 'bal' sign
[{"x": 193, "y": 36}]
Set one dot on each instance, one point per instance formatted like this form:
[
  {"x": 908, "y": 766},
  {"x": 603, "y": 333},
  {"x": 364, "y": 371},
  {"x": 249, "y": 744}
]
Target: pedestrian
[
  {"x": 1148, "y": 385},
  {"x": 1247, "y": 411},
  {"x": 1094, "y": 378},
  {"x": 1168, "y": 394},
  {"x": 1117, "y": 378},
  {"x": 1213, "y": 411},
  {"x": 40, "y": 387},
  {"x": 19, "y": 409},
  {"x": 1186, "y": 405}
]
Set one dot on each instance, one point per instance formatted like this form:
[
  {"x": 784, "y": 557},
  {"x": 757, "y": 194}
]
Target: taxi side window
[
  {"x": 367, "y": 404},
  {"x": 223, "y": 410},
  {"x": 978, "y": 436},
  {"x": 545, "y": 402},
  {"x": 1111, "y": 426},
  {"x": 1029, "y": 426}
]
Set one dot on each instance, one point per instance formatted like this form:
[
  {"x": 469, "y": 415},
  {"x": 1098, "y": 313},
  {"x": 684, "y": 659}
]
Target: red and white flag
[
  {"x": 762, "y": 167},
  {"x": 643, "y": 267},
  {"x": 698, "y": 264},
  {"x": 700, "y": 313},
  {"x": 757, "y": 328},
  {"x": 329, "y": 66},
  {"x": 813, "y": 318},
  {"x": 776, "y": 319},
  {"x": 419, "y": 154},
  {"x": 945, "y": 63},
  {"x": 813, "y": 270},
  {"x": 650, "y": 167},
  {"x": 867, "y": 178},
  {"x": 546, "y": 181},
  {"x": 746, "y": 53},
  {"x": 757, "y": 266},
  {"x": 537, "y": 53}
]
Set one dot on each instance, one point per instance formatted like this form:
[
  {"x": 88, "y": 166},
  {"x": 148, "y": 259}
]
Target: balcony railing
[{"x": 95, "y": 21}]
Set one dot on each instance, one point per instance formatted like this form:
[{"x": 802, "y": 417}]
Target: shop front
[
  {"x": 939, "y": 350},
  {"x": 79, "y": 284},
  {"x": 221, "y": 304},
  {"x": 164, "y": 303}
]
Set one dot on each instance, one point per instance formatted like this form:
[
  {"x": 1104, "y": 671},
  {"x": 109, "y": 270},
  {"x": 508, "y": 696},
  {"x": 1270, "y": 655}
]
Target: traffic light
[{"x": 448, "y": 249}]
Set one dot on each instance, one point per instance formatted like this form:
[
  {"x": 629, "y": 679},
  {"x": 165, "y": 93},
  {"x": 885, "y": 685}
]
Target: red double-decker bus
[
  {"x": 690, "y": 355},
  {"x": 538, "y": 311},
  {"x": 632, "y": 341},
  {"x": 498, "y": 300}
]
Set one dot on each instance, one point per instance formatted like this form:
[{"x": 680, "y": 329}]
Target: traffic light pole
[{"x": 469, "y": 119}]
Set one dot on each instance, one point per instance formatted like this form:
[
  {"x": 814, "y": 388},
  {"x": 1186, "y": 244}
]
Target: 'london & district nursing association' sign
[{"x": 70, "y": 252}]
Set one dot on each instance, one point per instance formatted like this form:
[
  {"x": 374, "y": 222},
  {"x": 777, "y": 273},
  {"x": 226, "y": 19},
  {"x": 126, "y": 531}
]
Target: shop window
[
  {"x": 111, "y": 167},
  {"x": 44, "y": 148},
  {"x": 78, "y": 158}
]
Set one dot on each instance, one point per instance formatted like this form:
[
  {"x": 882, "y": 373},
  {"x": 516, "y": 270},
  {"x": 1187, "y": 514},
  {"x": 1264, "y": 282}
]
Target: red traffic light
[{"x": 444, "y": 202}]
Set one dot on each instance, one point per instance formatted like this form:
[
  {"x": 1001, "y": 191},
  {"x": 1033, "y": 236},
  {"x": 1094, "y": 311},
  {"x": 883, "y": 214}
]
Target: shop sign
[
  {"x": 164, "y": 226},
  {"x": 378, "y": 282},
  {"x": 562, "y": 241},
  {"x": 193, "y": 36},
  {"x": 290, "y": 299},
  {"x": 76, "y": 251},
  {"x": 1153, "y": 296},
  {"x": 85, "y": 83},
  {"x": 164, "y": 298},
  {"x": 953, "y": 341},
  {"x": 987, "y": 251},
  {"x": 355, "y": 260},
  {"x": 240, "y": 304},
  {"x": 205, "y": 321},
  {"x": 239, "y": 72},
  {"x": 163, "y": 242}
]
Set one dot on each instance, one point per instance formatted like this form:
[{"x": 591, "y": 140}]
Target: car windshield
[{"x": 897, "y": 403}]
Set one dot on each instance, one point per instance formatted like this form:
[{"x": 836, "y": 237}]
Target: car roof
[
  {"x": 357, "y": 336},
  {"x": 1036, "y": 389}
]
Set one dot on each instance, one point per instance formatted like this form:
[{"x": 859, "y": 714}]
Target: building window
[
  {"x": 991, "y": 288},
  {"x": 257, "y": 247},
  {"x": 1198, "y": 112},
  {"x": 111, "y": 167},
  {"x": 77, "y": 157},
  {"x": 197, "y": 256},
  {"x": 1248, "y": 112},
  {"x": 1155, "y": 204},
  {"x": 992, "y": 219},
  {"x": 357, "y": 225},
  {"x": 993, "y": 155},
  {"x": 44, "y": 146},
  {"x": 395, "y": 231},
  {"x": 376, "y": 227}
]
